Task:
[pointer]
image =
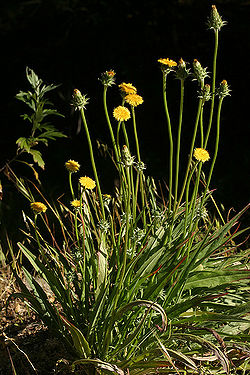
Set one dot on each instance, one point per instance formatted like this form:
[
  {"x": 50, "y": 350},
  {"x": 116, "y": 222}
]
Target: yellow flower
[
  {"x": 38, "y": 207},
  {"x": 75, "y": 203},
  {"x": 128, "y": 88},
  {"x": 201, "y": 154},
  {"x": 121, "y": 113},
  {"x": 168, "y": 62},
  {"x": 72, "y": 166},
  {"x": 133, "y": 99},
  {"x": 87, "y": 182}
]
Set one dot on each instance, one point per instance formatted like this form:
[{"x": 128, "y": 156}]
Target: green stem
[
  {"x": 171, "y": 147},
  {"x": 191, "y": 153},
  {"x": 215, "y": 150},
  {"x": 216, "y": 35},
  {"x": 93, "y": 162},
  {"x": 140, "y": 172},
  {"x": 121, "y": 274},
  {"x": 178, "y": 145},
  {"x": 109, "y": 123},
  {"x": 70, "y": 185}
]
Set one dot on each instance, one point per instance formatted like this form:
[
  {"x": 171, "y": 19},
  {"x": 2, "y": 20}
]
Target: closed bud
[
  {"x": 108, "y": 78},
  {"x": 205, "y": 93},
  {"x": 79, "y": 101},
  {"x": 199, "y": 73},
  {"x": 215, "y": 21},
  {"x": 223, "y": 89}
]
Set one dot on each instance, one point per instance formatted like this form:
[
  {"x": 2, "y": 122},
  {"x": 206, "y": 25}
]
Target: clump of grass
[{"x": 142, "y": 281}]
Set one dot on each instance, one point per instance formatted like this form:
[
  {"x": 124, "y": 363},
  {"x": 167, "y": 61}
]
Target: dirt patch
[{"x": 25, "y": 343}]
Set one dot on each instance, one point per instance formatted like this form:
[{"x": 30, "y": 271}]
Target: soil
[{"x": 26, "y": 346}]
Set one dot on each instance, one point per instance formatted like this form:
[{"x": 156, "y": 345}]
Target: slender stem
[
  {"x": 140, "y": 171},
  {"x": 70, "y": 185},
  {"x": 215, "y": 150},
  {"x": 125, "y": 135},
  {"x": 171, "y": 148},
  {"x": 109, "y": 123},
  {"x": 201, "y": 127},
  {"x": 93, "y": 162},
  {"x": 178, "y": 144},
  {"x": 216, "y": 35},
  {"x": 191, "y": 153},
  {"x": 121, "y": 274}
]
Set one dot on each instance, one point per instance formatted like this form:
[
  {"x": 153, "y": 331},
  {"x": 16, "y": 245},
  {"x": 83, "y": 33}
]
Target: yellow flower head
[
  {"x": 121, "y": 113},
  {"x": 72, "y": 166},
  {"x": 168, "y": 62},
  {"x": 201, "y": 154},
  {"x": 38, "y": 207},
  {"x": 128, "y": 88},
  {"x": 75, "y": 203},
  {"x": 87, "y": 182},
  {"x": 133, "y": 99}
]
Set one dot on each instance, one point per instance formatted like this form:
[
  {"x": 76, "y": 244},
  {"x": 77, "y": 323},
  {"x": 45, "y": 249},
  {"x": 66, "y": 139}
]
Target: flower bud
[
  {"x": 108, "y": 78},
  {"x": 79, "y": 101},
  {"x": 205, "y": 93},
  {"x": 199, "y": 73},
  {"x": 215, "y": 21},
  {"x": 223, "y": 90}
]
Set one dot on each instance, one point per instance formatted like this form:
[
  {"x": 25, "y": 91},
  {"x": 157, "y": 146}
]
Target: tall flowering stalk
[
  {"x": 167, "y": 66},
  {"x": 79, "y": 102},
  {"x": 215, "y": 23},
  {"x": 182, "y": 73}
]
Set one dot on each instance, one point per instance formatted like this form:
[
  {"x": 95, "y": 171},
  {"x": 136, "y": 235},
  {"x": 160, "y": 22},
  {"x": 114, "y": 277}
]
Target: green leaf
[
  {"x": 143, "y": 303},
  {"x": 97, "y": 363},
  {"x": 37, "y": 157},
  {"x": 80, "y": 343},
  {"x": 211, "y": 279}
]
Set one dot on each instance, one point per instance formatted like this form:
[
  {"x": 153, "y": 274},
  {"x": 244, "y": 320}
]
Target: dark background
[{"x": 72, "y": 42}]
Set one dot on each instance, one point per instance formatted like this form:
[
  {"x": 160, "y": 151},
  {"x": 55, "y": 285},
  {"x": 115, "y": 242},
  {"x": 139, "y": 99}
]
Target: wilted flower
[
  {"x": 182, "y": 72},
  {"x": 108, "y": 78},
  {"x": 79, "y": 101},
  {"x": 133, "y": 99},
  {"x": 140, "y": 166},
  {"x": 72, "y": 166},
  {"x": 215, "y": 21},
  {"x": 223, "y": 90},
  {"x": 38, "y": 207},
  {"x": 104, "y": 226},
  {"x": 106, "y": 199},
  {"x": 127, "y": 159},
  {"x": 201, "y": 154},
  {"x": 87, "y": 182},
  {"x": 121, "y": 113},
  {"x": 127, "y": 88}
]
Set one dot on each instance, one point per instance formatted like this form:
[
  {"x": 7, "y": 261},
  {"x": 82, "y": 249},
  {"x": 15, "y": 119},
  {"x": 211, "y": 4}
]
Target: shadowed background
[{"x": 72, "y": 42}]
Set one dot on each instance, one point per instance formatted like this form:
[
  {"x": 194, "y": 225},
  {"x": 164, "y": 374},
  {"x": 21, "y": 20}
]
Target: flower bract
[
  {"x": 87, "y": 182},
  {"x": 72, "y": 166},
  {"x": 121, "y": 113},
  {"x": 38, "y": 207},
  {"x": 201, "y": 154}
]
